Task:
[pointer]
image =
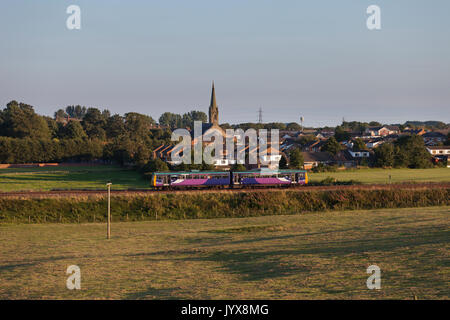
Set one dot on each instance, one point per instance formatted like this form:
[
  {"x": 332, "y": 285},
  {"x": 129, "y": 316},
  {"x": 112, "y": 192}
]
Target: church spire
[{"x": 213, "y": 110}]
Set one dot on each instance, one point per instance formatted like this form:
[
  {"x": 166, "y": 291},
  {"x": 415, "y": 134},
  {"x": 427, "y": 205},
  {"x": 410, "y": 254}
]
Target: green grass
[
  {"x": 373, "y": 175},
  {"x": 308, "y": 256},
  {"x": 82, "y": 177}
]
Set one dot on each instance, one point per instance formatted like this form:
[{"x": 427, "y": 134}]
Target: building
[
  {"x": 381, "y": 131},
  {"x": 433, "y": 138},
  {"x": 439, "y": 150},
  {"x": 313, "y": 159}
]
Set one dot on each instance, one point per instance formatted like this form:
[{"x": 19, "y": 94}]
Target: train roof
[
  {"x": 270, "y": 171},
  {"x": 192, "y": 172},
  {"x": 227, "y": 172}
]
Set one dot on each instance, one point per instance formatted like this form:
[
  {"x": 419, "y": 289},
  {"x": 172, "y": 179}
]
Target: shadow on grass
[{"x": 269, "y": 264}]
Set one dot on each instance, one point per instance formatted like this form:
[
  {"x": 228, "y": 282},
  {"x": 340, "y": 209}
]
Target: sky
[{"x": 292, "y": 58}]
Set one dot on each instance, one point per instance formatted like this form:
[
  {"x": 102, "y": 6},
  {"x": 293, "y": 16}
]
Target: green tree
[
  {"x": 341, "y": 135},
  {"x": 171, "y": 120},
  {"x": 296, "y": 159},
  {"x": 411, "y": 152},
  {"x": 331, "y": 146},
  {"x": 385, "y": 155},
  {"x": 189, "y": 118},
  {"x": 73, "y": 130},
  {"x": 138, "y": 125},
  {"x": 115, "y": 126},
  {"x": 94, "y": 123},
  {"x": 283, "y": 163},
  {"x": 156, "y": 165},
  {"x": 20, "y": 121},
  {"x": 359, "y": 145}
]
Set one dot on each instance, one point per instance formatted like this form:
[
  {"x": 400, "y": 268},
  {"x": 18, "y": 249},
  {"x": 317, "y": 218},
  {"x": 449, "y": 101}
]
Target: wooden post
[{"x": 108, "y": 220}]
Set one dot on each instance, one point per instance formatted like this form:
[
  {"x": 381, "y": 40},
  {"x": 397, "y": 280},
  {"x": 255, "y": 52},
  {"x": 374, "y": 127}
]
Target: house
[
  {"x": 313, "y": 159},
  {"x": 418, "y": 132},
  {"x": 439, "y": 150},
  {"x": 359, "y": 154},
  {"x": 344, "y": 159},
  {"x": 351, "y": 158},
  {"x": 372, "y": 143},
  {"x": 433, "y": 138},
  {"x": 313, "y": 146},
  {"x": 381, "y": 131}
]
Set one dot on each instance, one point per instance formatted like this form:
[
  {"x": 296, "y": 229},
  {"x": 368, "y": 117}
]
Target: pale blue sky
[{"x": 289, "y": 57}]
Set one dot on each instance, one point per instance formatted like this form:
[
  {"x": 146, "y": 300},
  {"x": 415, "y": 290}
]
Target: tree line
[{"x": 86, "y": 134}]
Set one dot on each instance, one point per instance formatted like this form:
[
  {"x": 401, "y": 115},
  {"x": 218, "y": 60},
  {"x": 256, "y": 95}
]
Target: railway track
[{"x": 78, "y": 193}]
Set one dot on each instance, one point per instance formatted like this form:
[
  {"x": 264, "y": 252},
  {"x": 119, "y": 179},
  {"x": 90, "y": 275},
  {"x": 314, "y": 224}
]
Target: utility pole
[
  {"x": 108, "y": 221},
  {"x": 260, "y": 116},
  {"x": 301, "y": 121}
]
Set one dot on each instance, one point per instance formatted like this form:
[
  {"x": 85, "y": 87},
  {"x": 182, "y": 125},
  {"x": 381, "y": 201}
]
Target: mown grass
[
  {"x": 82, "y": 177},
  {"x": 304, "y": 256},
  {"x": 381, "y": 176}
]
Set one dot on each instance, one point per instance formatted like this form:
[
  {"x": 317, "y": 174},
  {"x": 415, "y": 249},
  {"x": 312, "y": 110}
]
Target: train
[{"x": 228, "y": 179}]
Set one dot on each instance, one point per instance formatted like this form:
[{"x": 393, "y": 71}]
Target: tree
[
  {"x": 385, "y": 155},
  {"x": 293, "y": 126},
  {"x": 73, "y": 130},
  {"x": 20, "y": 121},
  {"x": 138, "y": 125},
  {"x": 77, "y": 111},
  {"x": 331, "y": 146},
  {"x": 142, "y": 155},
  {"x": 189, "y": 118},
  {"x": 359, "y": 145},
  {"x": 94, "y": 123},
  {"x": 283, "y": 162},
  {"x": 411, "y": 152},
  {"x": 238, "y": 167},
  {"x": 115, "y": 126},
  {"x": 171, "y": 120},
  {"x": 341, "y": 135},
  {"x": 296, "y": 159},
  {"x": 156, "y": 165},
  {"x": 60, "y": 114}
]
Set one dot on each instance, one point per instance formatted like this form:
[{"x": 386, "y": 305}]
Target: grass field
[
  {"x": 275, "y": 257},
  {"x": 48, "y": 178},
  {"x": 375, "y": 175},
  {"x": 82, "y": 177}
]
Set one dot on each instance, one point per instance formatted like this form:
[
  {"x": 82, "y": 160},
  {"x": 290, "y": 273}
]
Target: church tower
[{"x": 213, "y": 110}]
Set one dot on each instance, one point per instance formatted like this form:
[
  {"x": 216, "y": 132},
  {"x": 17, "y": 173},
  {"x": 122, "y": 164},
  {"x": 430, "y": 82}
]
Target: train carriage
[
  {"x": 190, "y": 179},
  {"x": 270, "y": 177}
]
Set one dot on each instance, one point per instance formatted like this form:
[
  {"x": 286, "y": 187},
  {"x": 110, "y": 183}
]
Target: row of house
[{"x": 312, "y": 150}]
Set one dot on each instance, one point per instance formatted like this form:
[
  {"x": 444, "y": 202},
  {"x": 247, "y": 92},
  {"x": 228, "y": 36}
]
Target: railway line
[{"x": 139, "y": 192}]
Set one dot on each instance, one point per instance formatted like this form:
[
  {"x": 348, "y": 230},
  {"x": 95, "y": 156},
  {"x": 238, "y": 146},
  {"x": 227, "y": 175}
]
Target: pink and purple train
[{"x": 228, "y": 179}]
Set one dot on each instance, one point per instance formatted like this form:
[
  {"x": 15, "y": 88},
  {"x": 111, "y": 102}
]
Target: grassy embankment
[
  {"x": 304, "y": 256},
  {"x": 198, "y": 205}
]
